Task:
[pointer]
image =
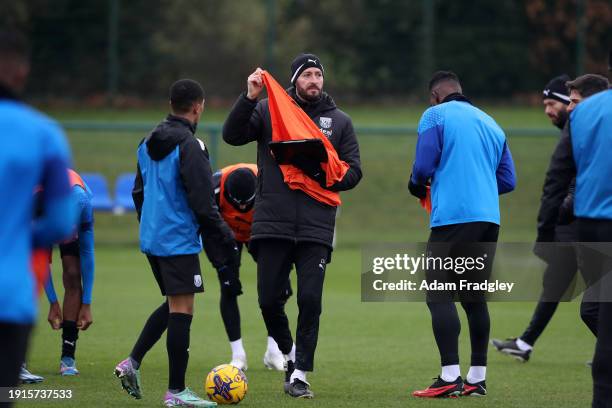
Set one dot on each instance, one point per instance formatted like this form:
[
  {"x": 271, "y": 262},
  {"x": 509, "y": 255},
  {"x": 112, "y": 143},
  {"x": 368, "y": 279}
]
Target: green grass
[{"x": 369, "y": 354}]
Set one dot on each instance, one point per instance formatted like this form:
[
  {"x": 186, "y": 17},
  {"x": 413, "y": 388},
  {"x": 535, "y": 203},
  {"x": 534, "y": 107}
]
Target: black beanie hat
[
  {"x": 302, "y": 62},
  {"x": 240, "y": 186},
  {"x": 557, "y": 90}
]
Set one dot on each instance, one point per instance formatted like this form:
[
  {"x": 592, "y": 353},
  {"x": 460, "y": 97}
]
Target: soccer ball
[{"x": 226, "y": 384}]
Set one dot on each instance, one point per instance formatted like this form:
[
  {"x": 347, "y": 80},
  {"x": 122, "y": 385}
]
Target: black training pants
[
  {"x": 559, "y": 276},
  {"x": 597, "y": 263},
  {"x": 460, "y": 240},
  {"x": 274, "y": 260},
  {"x": 13, "y": 345}
]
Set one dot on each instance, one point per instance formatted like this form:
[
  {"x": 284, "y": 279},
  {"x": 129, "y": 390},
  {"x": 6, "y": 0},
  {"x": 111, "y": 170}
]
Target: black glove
[
  {"x": 311, "y": 168},
  {"x": 229, "y": 281},
  {"x": 221, "y": 253},
  {"x": 566, "y": 211},
  {"x": 417, "y": 190}
]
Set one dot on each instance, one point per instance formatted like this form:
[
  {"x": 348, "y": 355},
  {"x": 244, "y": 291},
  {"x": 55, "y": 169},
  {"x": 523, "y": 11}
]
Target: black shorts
[
  {"x": 177, "y": 275},
  {"x": 459, "y": 242},
  {"x": 69, "y": 248}
]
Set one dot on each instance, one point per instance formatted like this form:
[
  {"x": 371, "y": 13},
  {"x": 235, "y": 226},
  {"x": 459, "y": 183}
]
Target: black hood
[
  {"x": 324, "y": 104},
  {"x": 167, "y": 135}
]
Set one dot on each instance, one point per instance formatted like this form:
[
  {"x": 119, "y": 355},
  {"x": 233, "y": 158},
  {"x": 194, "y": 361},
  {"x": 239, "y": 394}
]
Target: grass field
[{"x": 369, "y": 354}]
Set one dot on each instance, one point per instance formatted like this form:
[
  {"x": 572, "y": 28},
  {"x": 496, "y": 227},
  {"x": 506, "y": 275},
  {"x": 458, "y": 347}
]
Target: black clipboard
[{"x": 285, "y": 151}]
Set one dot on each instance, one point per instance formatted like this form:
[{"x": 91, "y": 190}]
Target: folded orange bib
[
  {"x": 290, "y": 122},
  {"x": 426, "y": 202}
]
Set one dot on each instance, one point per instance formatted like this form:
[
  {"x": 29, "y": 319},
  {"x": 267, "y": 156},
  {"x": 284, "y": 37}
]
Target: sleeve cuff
[{"x": 249, "y": 100}]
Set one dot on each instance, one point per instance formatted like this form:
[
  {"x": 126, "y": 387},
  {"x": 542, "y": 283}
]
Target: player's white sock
[
  {"x": 300, "y": 375},
  {"x": 237, "y": 348},
  {"x": 272, "y": 346},
  {"x": 291, "y": 355},
  {"x": 476, "y": 374},
  {"x": 522, "y": 345},
  {"x": 450, "y": 372}
]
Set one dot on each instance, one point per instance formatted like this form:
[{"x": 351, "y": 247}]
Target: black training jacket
[
  {"x": 196, "y": 177},
  {"x": 557, "y": 203},
  {"x": 279, "y": 211}
]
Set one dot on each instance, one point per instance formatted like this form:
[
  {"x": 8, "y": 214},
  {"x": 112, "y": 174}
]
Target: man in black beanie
[
  {"x": 557, "y": 276},
  {"x": 290, "y": 227},
  {"x": 302, "y": 63},
  {"x": 555, "y": 98}
]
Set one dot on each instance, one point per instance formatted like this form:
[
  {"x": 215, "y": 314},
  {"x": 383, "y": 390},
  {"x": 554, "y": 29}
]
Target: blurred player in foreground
[{"x": 33, "y": 152}]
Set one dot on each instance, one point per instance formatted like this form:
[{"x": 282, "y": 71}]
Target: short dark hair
[
  {"x": 442, "y": 76},
  {"x": 184, "y": 93},
  {"x": 13, "y": 44},
  {"x": 588, "y": 84}
]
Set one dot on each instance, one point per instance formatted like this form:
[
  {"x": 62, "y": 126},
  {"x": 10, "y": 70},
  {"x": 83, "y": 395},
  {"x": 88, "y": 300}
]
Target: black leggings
[{"x": 458, "y": 241}]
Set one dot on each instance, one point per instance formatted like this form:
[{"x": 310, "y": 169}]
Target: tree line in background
[{"x": 370, "y": 48}]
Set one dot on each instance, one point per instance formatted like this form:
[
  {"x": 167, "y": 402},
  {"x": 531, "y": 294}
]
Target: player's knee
[
  {"x": 183, "y": 309},
  {"x": 72, "y": 279},
  {"x": 266, "y": 304},
  {"x": 269, "y": 304},
  {"x": 475, "y": 308},
  {"x": 310, "y": 302},
  {"x": 441, "y": 309},
  {"x": 181, "y": 304},
  {"x": 231, "y": 288},
  {"x": 433, "y": 306}
]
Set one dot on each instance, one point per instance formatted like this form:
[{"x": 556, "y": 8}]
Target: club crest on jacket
[{"x": 324, "y": 122}]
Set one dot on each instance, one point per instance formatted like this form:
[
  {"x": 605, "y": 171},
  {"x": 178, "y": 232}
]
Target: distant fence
[
  {"x": 379, "y": 207},
  {"x": 214, "y": 130}
]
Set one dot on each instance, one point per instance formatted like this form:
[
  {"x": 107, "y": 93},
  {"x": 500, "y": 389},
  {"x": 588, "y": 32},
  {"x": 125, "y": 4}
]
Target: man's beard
[
  {"x": 307, "y": 97},
  {"x": 560, "y": 120}
]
